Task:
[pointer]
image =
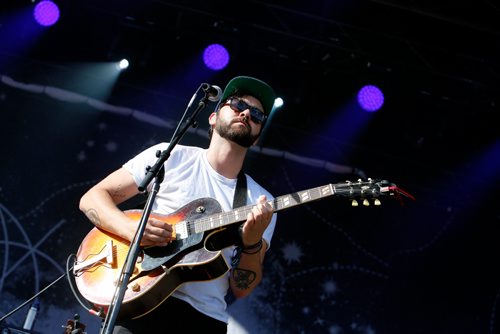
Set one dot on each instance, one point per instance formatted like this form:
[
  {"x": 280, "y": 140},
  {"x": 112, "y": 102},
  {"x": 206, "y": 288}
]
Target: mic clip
[{"x": 214, "y": 93}]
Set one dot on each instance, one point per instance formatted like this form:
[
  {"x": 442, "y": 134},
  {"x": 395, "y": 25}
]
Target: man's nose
[{"x": 245, "y": 113}]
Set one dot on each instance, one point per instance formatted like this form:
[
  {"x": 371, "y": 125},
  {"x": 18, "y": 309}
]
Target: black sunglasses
[{"x": 256, "y": 114}]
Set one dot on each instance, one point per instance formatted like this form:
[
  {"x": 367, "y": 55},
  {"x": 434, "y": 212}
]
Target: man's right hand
[{"x": 157, "y": 233}]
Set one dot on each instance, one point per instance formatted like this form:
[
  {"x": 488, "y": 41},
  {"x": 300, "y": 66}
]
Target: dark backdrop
[{"x": 424, "y": 266}]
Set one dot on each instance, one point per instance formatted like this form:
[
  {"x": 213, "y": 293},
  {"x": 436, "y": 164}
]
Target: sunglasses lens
[
  {"x": 236, "y": 105},
  {"x": 256, "y": 115}
]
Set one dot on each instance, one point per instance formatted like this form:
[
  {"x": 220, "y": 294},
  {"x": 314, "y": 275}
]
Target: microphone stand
[{"x": 157, "y": 173}]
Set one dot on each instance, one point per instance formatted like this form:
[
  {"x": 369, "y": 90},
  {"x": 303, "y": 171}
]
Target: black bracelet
[{"x": 253, "y": 249}]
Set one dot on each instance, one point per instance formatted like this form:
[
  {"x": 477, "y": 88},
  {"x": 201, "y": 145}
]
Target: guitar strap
[
  {"x": 231, "y": 236},
  {"x": 240, "y": 199},
  {"x": 240, "y": 194}
]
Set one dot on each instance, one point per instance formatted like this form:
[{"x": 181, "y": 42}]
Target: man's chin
[
  {"x": 245, "y": 142},
  {"x": 238, "y": 134}
]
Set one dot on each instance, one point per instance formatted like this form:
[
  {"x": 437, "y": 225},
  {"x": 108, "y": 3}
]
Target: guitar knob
[
  {"x": 366, "y": 202},
  {"x": 354, "y": 203},
  {"x": 377, "y": 202},
  {"x": 135, "y": 287}
]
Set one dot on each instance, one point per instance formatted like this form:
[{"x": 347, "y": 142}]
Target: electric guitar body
[{"x": 159, "y": 271}]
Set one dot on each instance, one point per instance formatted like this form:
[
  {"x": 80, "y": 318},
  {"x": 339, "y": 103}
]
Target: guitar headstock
[{"x": 370, "y": 189}]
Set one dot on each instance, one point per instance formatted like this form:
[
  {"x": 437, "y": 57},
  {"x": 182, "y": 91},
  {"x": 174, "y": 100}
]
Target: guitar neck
[
  {"x": 301, "y": 197},
  {"x": 279, "y": 203}
]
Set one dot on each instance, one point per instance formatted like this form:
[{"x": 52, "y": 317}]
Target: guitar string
[{"x": 223, "y": 218}]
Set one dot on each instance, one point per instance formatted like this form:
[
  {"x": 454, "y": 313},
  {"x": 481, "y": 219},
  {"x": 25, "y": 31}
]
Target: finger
[
  {"x": 250, "y": 217},
  {"x": 265, "y": 209},
  {"x": 263, "y": 205},
  {"x": 262, "y": 199},
  {"x": 158, "y": 233},
  {"x": 161, "y": 225},
  {"x": 263, "y": 212},
  {"x": 153, "y": 240}
]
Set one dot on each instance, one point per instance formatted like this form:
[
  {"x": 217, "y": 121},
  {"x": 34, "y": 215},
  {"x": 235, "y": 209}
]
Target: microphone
[{"x": 214, "y": 92}]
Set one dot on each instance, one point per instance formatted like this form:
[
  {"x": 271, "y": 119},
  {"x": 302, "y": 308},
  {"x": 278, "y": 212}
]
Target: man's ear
[{"x": 212, "y": 118}]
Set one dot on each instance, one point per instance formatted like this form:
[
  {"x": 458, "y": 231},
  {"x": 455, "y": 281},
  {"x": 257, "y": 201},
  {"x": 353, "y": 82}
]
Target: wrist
[{"x": 252, "y": 249}]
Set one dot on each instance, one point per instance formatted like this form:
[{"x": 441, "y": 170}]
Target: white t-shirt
[{"x": 189, "y": 176}]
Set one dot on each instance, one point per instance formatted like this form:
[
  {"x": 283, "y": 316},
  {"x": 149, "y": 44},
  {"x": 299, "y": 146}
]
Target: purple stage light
[
  {"x": 46, "y": 13},
  {"x": 370, "y": 98},
  {"x": 215, "y": 57}
]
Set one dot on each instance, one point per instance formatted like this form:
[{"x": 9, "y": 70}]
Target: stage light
[
  {"x": 370, "y": 98},
  {"x": 46, "y": 13},
  {"x": 215, "y": 57},
  {"x": 123, "y": 64},
  {"x": 278, "y": 103}
]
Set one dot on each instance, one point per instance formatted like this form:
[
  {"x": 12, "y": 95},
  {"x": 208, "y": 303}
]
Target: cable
[
  {"x": 32, "y": 298},
  {"x": 89, "y": 307}
]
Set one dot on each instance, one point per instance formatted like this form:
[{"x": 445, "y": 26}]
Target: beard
[{"x": 240, "y": 135}]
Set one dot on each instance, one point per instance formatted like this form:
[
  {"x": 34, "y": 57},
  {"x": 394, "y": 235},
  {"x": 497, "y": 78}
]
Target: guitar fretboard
[{"x": 279, "y": 203}]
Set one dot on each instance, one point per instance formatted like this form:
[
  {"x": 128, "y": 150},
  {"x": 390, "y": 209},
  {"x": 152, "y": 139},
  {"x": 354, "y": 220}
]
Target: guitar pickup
[{"x": 181, "y": 230}]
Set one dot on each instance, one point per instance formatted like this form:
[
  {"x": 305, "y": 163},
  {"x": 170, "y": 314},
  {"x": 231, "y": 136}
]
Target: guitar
[{"x": 191, "y": 256}]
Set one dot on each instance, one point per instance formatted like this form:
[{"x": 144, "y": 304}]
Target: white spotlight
[
  {"x": 123, "y": 64},
  {"x": 278, "y": 102}
]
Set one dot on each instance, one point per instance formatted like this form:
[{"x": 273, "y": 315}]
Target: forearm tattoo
[
  {"x": 93, "y": 216},
  {"x": 243, "y": 278}
]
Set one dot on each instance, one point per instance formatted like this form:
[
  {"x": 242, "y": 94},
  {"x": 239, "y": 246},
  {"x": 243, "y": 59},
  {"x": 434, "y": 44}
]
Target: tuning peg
[
  {"x": 377, "y": 202},
  {"x": 354, "y": 203},
  {"x": 366, "y": 202}
]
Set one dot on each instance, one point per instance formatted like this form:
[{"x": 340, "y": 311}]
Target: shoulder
[
  {"x": 179, "y": 152},
  {"x": 190, "y": 149},
  {"x": 186, "y": 151},
  {"x": 178, "y": 149}
]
